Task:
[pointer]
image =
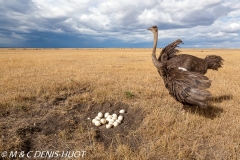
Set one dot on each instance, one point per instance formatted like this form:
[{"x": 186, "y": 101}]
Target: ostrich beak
[{"x": 149, "y": 29}]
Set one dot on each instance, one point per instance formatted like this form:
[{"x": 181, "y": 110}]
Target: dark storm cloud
[{"x": 111, "y": 23}]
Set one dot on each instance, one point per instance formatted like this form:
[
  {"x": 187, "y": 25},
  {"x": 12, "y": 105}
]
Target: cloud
[
  {"x": 17, "y": 36},
  {"x": 121, "y": 22},
  {"x": 232, "y": 28}
]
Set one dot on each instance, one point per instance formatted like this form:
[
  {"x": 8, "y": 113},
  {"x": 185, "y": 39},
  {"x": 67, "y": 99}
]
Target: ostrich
[{"x": 183, "y": 74}]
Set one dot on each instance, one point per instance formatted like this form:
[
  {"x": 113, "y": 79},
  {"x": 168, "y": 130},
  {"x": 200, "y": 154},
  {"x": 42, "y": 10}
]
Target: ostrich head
[{"x": 153, "y": 29}]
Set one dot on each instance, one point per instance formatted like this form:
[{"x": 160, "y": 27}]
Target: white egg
[
  {"x": 111, "y": 121},
  {"x": 114, "y": 115},
  {"x": 97, "y": 123},
  {"x": 115, "y": 124},
  {"x": 114, "y": 118},
  {"x": 109, "y": 126},
  {"x": 100, "y": 114},
  {"x": 122, "y": 111},
  {"x": 106, "y": 114},
  {"x": 120, "y": 118},
  {"x": 97, "y": 118},
  {"x": 103, "y": 121},
  {"x": 108, "y": 119},
  {"x": 94, "y": 120},
  {"x": 119, "y": 121},
  {"x": 109, "y": 116}
]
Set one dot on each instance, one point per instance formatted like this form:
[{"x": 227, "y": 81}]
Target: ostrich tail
[
  {"x": 169, "y": 51},
  {"x": 214, "y": 62}
]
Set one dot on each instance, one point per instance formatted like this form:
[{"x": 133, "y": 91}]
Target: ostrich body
[
  {"x": 183, "y": 74},
  {"x": 189, "y": 62}
]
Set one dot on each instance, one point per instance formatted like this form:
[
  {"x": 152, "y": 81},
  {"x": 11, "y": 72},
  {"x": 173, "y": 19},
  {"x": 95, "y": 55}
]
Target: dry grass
[{"x": 65, "y": 78}]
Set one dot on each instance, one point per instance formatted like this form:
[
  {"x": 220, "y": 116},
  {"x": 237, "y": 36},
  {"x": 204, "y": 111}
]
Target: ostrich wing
[
  {"x": 188, "y": 87},
  {"x": 169, "y": 51}
]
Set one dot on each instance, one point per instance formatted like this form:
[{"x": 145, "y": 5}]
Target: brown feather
[
  {"x": 189, "y": 62},
  {"x": 169, "y": 51},
  {"x": 187, "y": 87},
  {"x": 213, "y": 62}
]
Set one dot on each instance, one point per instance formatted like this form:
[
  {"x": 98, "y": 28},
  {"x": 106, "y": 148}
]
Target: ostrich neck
[{"x": 156, "y": 63}]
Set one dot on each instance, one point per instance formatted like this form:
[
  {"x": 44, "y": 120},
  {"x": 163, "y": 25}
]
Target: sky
[{"x": 119, "y": 23}]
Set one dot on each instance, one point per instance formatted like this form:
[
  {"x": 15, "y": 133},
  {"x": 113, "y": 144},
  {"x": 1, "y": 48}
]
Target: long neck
[{"x": 156, "y": 63}]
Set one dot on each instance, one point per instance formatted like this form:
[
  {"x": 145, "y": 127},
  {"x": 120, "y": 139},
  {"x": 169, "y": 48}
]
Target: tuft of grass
[{"x": 129, "y": 94}]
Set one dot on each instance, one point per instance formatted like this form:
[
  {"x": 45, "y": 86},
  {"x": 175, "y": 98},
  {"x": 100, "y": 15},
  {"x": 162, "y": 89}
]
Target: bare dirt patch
[{"x": 57, "y": 125}]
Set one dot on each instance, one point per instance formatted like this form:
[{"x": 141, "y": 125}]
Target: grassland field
[{"x": 46, "y": 96}]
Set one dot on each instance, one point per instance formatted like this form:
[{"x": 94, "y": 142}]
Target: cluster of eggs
[{"x": 108, "y": 119}]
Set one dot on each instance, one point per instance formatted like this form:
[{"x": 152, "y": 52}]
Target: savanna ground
[{"x": 47, "y": 95}]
